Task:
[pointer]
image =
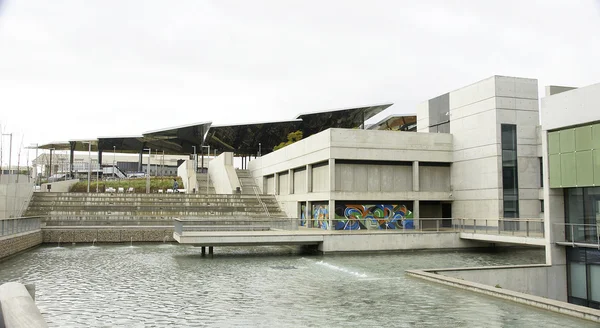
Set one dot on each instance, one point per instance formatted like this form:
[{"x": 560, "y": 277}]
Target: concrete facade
[
  {"x": 475, "y": 114},
  {"x": 15, "y": 194},
  {"x": 363, "y": 166}
]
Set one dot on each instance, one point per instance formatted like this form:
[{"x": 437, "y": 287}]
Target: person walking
[{"x": 175, "y": 186}]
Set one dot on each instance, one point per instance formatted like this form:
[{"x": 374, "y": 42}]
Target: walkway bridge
[{"x": 509, "y": 231}]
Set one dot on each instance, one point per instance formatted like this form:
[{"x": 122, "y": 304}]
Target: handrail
[
  {"x": 255, "y": 190},
  {"x": 526, "y": 227},
  {"x": 590, "y": 230}
]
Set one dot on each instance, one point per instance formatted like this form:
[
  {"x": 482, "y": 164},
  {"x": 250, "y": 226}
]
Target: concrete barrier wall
[
  {"x": 18, "y": 307},
  {"x": 107, "y": 235},
  {"x": 369, "y": 242},
  {"x": 222, "y": 173},
  {"x": 187, "y": 172},
  {"x": 15, "y": 197},
  {"x": 58, "y": 186},
  {"x": 539, "y": 280},
  {"x": 10, "y": 245}
]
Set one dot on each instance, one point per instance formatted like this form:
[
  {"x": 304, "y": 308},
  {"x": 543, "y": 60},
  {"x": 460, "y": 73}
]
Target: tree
[{"x": 291, "y": 138}]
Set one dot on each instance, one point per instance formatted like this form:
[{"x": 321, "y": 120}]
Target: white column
[
  {"x": 331, "y": 213},
  {"x": 308, "y": 178},
  {"x": 276, "y": 186},
  {"x": 415, "y": 171},
  {"x": 416, "y": 213},
  {"x": 309, "y": 213},
  {"x": 331, "y": 174},
  {"x": 290, "y": 181}
]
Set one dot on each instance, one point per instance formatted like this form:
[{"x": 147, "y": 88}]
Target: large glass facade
[
  {"x": 583, "y": 274},
  {"x": 510, "y": 179},
  {"x": 582, "y": 214}
]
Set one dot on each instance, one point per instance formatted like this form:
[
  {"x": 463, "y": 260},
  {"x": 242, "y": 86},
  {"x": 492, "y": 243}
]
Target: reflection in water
[{"x": 166, "y": 285}]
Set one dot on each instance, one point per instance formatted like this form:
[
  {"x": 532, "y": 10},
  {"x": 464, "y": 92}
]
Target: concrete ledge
[
  {"x": 536, "y": 301},
  {"x": 490, "y": 238},
  {"x": 18, "y": 308}
]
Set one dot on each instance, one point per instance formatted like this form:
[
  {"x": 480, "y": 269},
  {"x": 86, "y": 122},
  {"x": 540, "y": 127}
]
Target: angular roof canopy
[
  {"x": 347, "y": 118},
  {"x": 242, "y": 139},
  {"x": 245, "y": 138}
]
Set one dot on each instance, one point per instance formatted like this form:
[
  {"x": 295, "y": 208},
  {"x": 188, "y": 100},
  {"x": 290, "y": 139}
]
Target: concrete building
[
  {"x": 476, "y": 154},
  {"x": 571, "y": 151}
]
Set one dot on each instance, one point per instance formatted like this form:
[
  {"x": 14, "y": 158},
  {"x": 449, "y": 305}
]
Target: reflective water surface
[{"x": 163, "y": 285}]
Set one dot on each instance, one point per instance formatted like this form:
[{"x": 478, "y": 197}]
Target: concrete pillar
[
  {"x": 140, "y": 160},
  {"x": 415, "y": 171},
  {"x": 415, "y": 212},
  {"x": 276, "y": 186},
  {"x": 332, "y": 174},
  {"x": 291, "y": 181},
  {"x": 210, "y": 250},
  {"x": 100, "y": 157},
  {"x": 72, "y": 145},
  {"x": 309, "y": 214},
  {"x": 308, "y": 178},
  {"x": 203, "y": 250},
  {"x": 331, "y": 213}
]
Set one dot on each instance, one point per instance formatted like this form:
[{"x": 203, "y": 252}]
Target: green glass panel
[
  {"x": 596, "y": 159},
  {"x": 583, "y": 138},
  {"x": 596, "y": 136},
  {"x": 554, "y": 142},
  {"x": 567, "y": 141},
  {"x": 554, "y": 168},
  {"x": 567, "y": 169},
  {"x": 585, "y": 169}
]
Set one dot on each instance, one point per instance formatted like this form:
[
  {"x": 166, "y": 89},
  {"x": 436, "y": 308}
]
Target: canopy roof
[{"x": 243, "y": 139}]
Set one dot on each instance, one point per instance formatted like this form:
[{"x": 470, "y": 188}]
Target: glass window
[
  {"x": 510, "y": 179},
  {"x": 577, "y": 280},
  {"x": 594, "y": 282},
  {"x": 509, "y": 136}
]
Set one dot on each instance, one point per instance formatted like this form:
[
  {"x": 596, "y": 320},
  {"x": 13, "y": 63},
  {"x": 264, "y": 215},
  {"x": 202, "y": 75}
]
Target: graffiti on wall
[
  {"x": 320, "y": 214},
  {"x": 372, "y": 216}
]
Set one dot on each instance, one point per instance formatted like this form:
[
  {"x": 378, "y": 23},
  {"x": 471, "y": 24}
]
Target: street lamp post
[{"x": 259, "y": 150}]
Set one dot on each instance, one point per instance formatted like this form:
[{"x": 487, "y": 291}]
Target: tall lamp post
[{"x": 207, "y": 175}]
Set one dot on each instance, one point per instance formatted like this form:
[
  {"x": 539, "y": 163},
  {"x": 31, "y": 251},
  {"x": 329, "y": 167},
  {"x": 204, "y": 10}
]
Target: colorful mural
[
  {"x": 372, "y": 216},
  {"x": 320, "y": 214}
]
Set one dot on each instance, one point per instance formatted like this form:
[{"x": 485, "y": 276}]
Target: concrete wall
[
  {"x": 106, "y": 235},
  {"x": 582, "y": 105},
  {"x": 476, "y": 114},
  {"x": 538, "y": 280},
  {"x": 434, "y": 178},
  {"x": 187, "y": 172},
  {"x": 222, "y": 173},
  {"x": 10, "y": 245},
  {"x": 367, "y": 242},
  {"x": 59, "y": 186},
  {"x": 15, "y": 197},
  {"x": 373, "y": 177}
]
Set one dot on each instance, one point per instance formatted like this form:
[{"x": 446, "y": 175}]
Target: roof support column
[
  {"x": 100, "y": 157},
  {"x": 72, "y": 145}
]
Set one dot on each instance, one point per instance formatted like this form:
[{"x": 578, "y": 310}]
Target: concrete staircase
[
  {"x": 102, "y": 209},
  {"x": 202, "y": 181},
  {"x": 247, "y": 182}
]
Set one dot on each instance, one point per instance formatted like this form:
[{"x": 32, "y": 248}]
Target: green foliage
[
  {"x": 138, "y": 184},
  {"x": 291, "y": 138},
  {"x": 498, "y": 286}
]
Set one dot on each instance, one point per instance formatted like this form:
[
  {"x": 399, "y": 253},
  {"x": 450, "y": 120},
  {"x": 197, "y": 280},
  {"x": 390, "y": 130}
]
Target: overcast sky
[{"x": 74, "y": 69}]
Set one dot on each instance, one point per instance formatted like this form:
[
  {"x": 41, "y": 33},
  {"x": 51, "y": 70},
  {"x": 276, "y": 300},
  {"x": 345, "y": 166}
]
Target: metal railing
[
  {"x": 242, "y": 224},
  {"x": 13, "y": 226},
  {"x": 578, "y": 233},
  {"x": 511, "y": 227},
  {"x": 256, "y": 193}
]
